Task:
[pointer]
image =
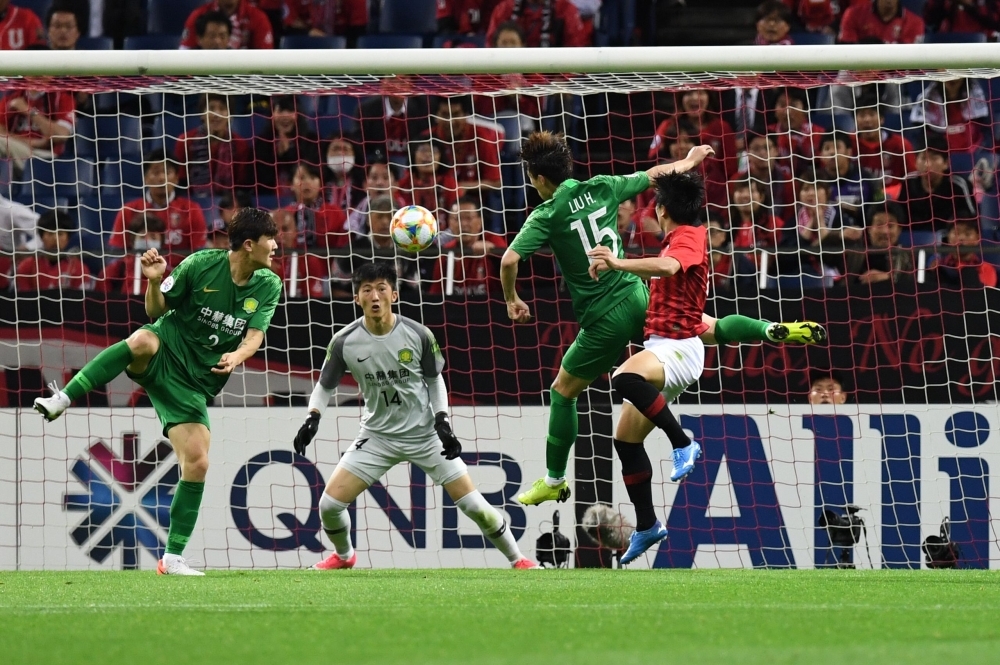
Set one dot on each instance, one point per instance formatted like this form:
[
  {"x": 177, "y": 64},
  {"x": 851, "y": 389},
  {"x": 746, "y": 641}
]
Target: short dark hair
[
  {"x": 215, "y": 16},
  {"x": 146, "y": 222},
  {"x": 381, "y": 205},
  {"x": 936, "y": 142},
  {"x": 890, "y": 208},
  {"x": 235, "y": 198},
  {"x": 838, "y": 137},
  {"x": 769, "y": 7},
  {"x": 683, "y": 196},
  {"x": 250, "y": 224},
  {"x": 823, "y": 373},
  {"x": 286, "y": 102},
  {"x": 157, "y": 156},
  {"x": 61, "y": 8},
  {"x": 547, "y": 154},
  {"x": 374, "y": 272},
  {"x": 311, "y": 169},
  {"x": 54, "y": 221},
  {"x": 510, "y": 26}
]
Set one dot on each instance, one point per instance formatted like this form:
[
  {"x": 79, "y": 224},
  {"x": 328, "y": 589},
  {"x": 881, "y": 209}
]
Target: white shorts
[
  {"x": 371, "y": 456},
  {"x": 683, "y": 362}
]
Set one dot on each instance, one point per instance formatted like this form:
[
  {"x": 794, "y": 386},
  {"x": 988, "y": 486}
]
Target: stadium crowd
[{"x": 809, "y": 187}]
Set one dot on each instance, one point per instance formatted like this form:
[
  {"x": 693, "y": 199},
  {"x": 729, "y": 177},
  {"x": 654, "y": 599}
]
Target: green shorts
[
  {"x": 171, "y": 389},
  {"x": 598, "y": 347}
]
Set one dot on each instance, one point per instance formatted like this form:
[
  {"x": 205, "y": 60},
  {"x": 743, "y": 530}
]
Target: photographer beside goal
[{"x": 397, "y": 364}]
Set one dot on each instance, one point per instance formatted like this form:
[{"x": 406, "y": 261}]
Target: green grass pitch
[{"x": 502, "y": 616}]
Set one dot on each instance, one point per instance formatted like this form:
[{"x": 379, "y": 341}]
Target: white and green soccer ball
[{"x": 413, "y": 228}]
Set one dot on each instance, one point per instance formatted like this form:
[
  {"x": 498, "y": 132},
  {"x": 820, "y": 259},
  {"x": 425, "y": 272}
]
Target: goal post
[{"x": 814, "y": 213}]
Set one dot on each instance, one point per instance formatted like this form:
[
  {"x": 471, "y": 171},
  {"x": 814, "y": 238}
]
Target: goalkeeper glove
[
  {"x": 306, "y": 433},
  {"x": 452, "y": 446}
]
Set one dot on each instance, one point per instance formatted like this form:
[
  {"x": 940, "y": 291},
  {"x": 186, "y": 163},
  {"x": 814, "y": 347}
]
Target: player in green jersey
[
  {"x": 209, "y": 317},
  {"x": 573, "y": 218}
]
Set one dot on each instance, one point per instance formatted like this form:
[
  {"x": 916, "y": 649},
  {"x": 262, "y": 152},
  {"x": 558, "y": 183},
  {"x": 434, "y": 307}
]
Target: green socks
[
  {"x": 564, "y": 424},
  {"x": 183, "y": 515},
  {"x": 108, "y": 364},
  {"x": 737, "y": 328}
]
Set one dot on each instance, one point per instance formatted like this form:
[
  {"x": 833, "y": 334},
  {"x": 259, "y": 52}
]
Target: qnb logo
[{"x": 127, "y": 500}]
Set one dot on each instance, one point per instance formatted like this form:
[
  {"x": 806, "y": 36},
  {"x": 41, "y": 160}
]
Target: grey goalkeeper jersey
[{"x": 390, "y": 370}]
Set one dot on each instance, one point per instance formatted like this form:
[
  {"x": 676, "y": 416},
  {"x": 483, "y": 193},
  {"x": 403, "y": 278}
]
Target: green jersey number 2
[{"x": 597, "y": 234}]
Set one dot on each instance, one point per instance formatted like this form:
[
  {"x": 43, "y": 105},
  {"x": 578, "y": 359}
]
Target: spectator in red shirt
[
  {"x": 378, "y": 244},
  {"x": 474, "y": 272},
  {"x": 720, "y": 255},
  {"x": 880, "y": 257},
  {"x": 35, "y": 124},
  {"x": 633, "y": 232},
  {"x": 390, "y": 121},
  {"x": 378, "y": 182},
  {"x": 470, "y": 147},
  {"x": 284, "y": 143},
  {"x": 144, "y": 232},
  {"x": 213, "y": 158},
  {"x": 20, "y": 28},
  {"x": 964, "y": 265},
  {"x": 962, "y": 15},
  {"x": 765, "y": 167},
  {"x": 774, "y": 22},
  {"x": 752, "y": 224},
  {"x": 229, "y": 203},
  {"x": 250, "y": 26},
  {"x": 52, "y": 267},
  {"x": 184, "y": 221},
  {"x": 465, "y": 17},
  {"x": 957, "y": 109},
  {"x": 321, "y": 18},
  {"x": 883, "y": 153},
  {"x": 797, "y": 138},
  {"x": 428, "y": 182},
  {"x": 545, "y": 22},
  {"x": 816, "y": 15},
  {"x": 882, "y": 21},
  {"x": 699, "y": 109},
  {"x": 63, "y": 30},
  {"x": 320, "y": 225},
  {"x": 342, "y": 180},
  {"x": 303, "y": 274},
  {"x": 526, "y": 107},
  {"x": 214, "y": 31}
]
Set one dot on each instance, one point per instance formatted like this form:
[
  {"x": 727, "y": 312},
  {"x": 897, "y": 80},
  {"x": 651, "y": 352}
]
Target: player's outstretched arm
[
  {"x": 694, "y": 157},
  {"x": 329, "y": 378},
  {"x": 153, "y": 268},
  {"x": 517, "y": 310},
  {"x": 658, "y": 266},
  {"x": 249, "y": 346}
]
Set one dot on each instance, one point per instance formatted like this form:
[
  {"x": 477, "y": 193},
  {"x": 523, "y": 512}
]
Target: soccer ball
[{"x": 413, "y": 228}]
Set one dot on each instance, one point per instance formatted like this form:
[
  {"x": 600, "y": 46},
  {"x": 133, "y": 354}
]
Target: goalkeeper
[
  {"x": 397, "y": 364},
  {"x": 573, "y": 219},
  {"x": 209, "y": 316}
]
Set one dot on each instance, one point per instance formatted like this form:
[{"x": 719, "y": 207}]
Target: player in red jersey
[{"x": 674, "y": 355}]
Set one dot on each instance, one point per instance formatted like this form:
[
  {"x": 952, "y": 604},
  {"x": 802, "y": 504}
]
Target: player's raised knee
[
  {"x": 195, "y": 468},
  {"x": 143, "y": 344}
]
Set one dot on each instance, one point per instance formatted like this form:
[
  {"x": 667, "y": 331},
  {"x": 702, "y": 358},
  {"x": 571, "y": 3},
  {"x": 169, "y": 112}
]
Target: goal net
[{"x": 852, "y": 186}]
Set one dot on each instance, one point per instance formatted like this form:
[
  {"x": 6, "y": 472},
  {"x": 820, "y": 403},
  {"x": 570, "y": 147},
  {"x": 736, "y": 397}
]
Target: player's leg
[
  {"x": 341, "y": 491},
  {"x": 366, "y": 460},
  {"x": 489, "y": 520},
  {"x": 191, "y": 442},
  {"x": 592, "y": 354},
  {"x": 637, "y": 472},
  {"x": 738, "y": 328},
  {"x": 133, "y": 353}
]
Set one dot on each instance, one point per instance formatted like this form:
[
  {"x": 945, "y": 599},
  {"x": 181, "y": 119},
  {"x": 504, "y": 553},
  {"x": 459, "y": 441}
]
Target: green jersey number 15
[{"x": 596, "y": 234}]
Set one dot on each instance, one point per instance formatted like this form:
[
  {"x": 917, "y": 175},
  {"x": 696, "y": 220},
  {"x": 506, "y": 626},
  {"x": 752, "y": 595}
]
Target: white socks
[
  {"x": 489, "y": 521},
  {"x": 554, "y": 482},
  {"x": 337, "y": 524}
]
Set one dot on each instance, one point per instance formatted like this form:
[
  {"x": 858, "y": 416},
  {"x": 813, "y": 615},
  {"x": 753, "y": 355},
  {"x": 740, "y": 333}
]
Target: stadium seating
[
  {"x": 955, "y": 38},
  {"x": 390, "y": 41},
  {"x": 408, "y": 17},
  {"x": 307, "y": 42},
  {"x": 458, "y": 41},
  {"x": 168, "y": 16},
  {"x": 811, "y": 39},
  {"x": 95, "y": 44},
  {"x": 122, "y": 180},
  {"x": 617, "y": 23},
  {"x": 39, "y": 7},
  {"x": 153, "y": 43}
]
